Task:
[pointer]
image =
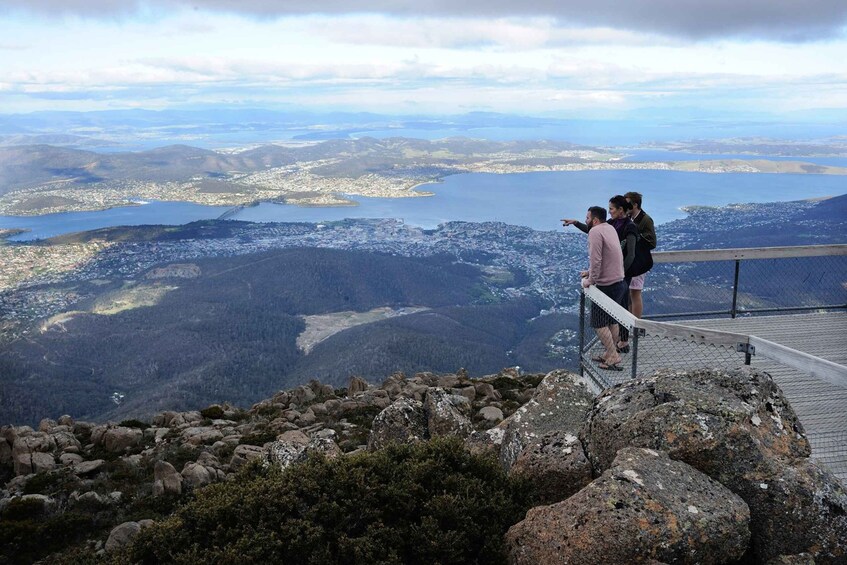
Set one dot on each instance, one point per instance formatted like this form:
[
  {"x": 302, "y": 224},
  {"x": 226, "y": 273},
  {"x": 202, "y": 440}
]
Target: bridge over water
[{"x": 798, "y": 335}]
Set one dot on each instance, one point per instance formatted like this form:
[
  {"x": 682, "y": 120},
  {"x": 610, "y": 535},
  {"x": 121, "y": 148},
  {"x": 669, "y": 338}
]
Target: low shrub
[
  {"x": 213, "y": 412},
  {"x": 429, "y": 503}
]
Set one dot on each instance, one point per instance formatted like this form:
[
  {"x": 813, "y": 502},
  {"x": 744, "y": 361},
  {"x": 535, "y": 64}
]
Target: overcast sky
[{"x": 598, "y": 57}]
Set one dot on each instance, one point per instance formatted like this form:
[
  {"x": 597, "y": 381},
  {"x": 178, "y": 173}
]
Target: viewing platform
[{"x": 803, "y": 346}]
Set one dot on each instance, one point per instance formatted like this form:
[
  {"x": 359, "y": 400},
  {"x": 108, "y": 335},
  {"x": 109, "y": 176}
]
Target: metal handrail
[
  {"x": 745, "y": 254},
  {"x": 749, "y": 344}
]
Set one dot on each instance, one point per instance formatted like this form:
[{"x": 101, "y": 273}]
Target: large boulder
[
  {"x": 32, "y": 452},
  {"x": 560, "y": 403},
  {"x": 121, "y": 535},
  {"x": 443, "y": 417},
  {"x": 556, "y": 466},
  {"x": 243, "y": 454},
  {"x": 645, "y": 507},
  {"x": 404, "y": 421},
  {"x": 724, "y": 423},
  {"x": 737, "y": 427},
  {"x": 796, "y": 507},
  {"x": 121, "y": 438},
  {"x": 166, "y": 479}
]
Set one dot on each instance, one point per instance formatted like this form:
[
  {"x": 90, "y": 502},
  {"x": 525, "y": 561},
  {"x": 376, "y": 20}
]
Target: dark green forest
[{"x": 230, "y": 335}]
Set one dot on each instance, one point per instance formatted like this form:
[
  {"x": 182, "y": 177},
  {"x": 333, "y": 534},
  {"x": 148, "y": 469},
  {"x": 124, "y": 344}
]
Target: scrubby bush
[
  {"x": 213, "y": 412},
  {"x": 428, "y": 503}
]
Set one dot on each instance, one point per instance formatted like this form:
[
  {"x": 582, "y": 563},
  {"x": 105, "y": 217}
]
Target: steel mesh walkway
[{"x": 820, "y": 404}]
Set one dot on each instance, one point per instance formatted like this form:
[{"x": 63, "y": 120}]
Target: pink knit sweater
[{"x": 605, "y": 259}]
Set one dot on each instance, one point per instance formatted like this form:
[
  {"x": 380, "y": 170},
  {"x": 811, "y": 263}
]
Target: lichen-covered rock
[
  {"x": 556, "y": 466},
  {"x": 721, "y": 422},
  {"x": 487, "y": 442},
  {"x": 738, "y": 428},
  {"x": 443, "y": 418},
  {"x": 285, "y": 453},
  {"x": 404, "y": 421},
  {"x": 560, "y": 402},
  {"x": 644, "y": 507},
  {"x": 796, "y": 507}
]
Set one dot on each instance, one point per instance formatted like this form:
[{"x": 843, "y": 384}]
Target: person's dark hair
[
  {"x": 618, "y": 201},
  {"x": 634, "y": 197},
  {"x": 598, "y": 212}
]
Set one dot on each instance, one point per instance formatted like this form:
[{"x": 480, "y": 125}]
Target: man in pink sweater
[{"x": 605, "y": 270}]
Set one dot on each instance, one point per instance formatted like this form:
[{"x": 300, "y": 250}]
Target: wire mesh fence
[{"x": 714, "y": 283}]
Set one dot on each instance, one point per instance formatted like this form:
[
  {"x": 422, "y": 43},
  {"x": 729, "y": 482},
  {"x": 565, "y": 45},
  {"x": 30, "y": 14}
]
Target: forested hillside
[{"x": 230, "y": 334}]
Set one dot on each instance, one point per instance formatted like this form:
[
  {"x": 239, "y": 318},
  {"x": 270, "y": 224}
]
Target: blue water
[{"x": 536, "y": 200}]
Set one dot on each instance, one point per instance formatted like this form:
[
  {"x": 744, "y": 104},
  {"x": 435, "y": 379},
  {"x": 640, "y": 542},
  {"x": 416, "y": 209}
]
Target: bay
[{"x": 536, "y": 200}]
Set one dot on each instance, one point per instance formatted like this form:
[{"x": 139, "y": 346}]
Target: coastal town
[
  {"x": 42, "y": 279},
  {"x": 391, "y": 169}
]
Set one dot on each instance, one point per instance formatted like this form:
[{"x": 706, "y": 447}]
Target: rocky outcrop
[
  {"x": 724, "y": 423},
  {"x": 645, "y": 506},
  {"x": 733, "y": 426},
  {"x": 738, "y": 428}
]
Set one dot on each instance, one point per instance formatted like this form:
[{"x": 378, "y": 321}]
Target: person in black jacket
[{"x": 647, "y": 232}]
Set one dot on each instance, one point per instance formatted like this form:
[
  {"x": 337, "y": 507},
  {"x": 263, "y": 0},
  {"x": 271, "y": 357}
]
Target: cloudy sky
[{"x": 561, "y": 57}]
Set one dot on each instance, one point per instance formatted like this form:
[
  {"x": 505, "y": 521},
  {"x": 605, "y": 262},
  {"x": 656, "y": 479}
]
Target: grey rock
[
  {"x": 443, "y": 418},
  {"x": 244, "y": 454},
  {"x": 404, "y": 421},
  {"x": 201, "y": 435},
  {"x": 356, "y": 385},
  {"x": 560, "y": 403},
  {"x": 738, "y": 428},
  {"x": 33, "y": 452},
  {"x": 285, "y": 453},
  {"x": 88, "y": 467},
  {"x": 121, "y": 535},
  {"x": 70, "y": 459},
  {"x": 166, "y": 479},
  {"x": 491, "y": 414},
  {"x": 119, "y": 439},
  {"x": 644, "y": 506},
  {"x": 65, "y": 421},
  {"x": 46, "y": 424},
  {"x": 196, "y": 475},
  {"x": 724, "y": 423},
  {"x": 556, "y": 465}
]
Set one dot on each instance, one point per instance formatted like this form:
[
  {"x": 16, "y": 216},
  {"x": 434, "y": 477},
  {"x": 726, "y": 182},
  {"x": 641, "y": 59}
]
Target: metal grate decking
[{"x": 820, "y": 404}]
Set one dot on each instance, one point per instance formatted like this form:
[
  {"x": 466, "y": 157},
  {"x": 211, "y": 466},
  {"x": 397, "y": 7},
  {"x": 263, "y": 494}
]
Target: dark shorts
[{"x": 619, "y": 292}]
